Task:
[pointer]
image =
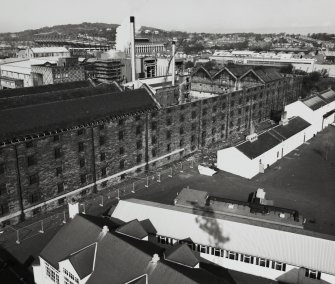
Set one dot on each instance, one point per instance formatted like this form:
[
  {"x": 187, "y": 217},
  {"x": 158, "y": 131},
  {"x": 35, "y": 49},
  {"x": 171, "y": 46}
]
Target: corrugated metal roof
[{"x": 293, "y": 246}]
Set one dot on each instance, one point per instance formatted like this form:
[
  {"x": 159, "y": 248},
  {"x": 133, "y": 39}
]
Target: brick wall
[{"x": 95, "y": 157}]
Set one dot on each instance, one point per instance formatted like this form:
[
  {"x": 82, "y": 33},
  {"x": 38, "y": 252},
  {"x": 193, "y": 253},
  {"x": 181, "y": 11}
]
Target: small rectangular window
[
  {"x": 138, "y": 129},
  {"x": 83, "y": 178},
  {"x": 82, "y": 162},
  {"x": 57, "y": 153},
  {"x": 29, "y": 144},
  {"x": 102, "y": 140},
  {"x": 80, "y": 146},
  {"x": 59, "y": 171},
  {"x": 121, "y": 164},
  {"x": 2, "y": 168},
  {"x": 120, "y": 135},
  {"x": 60, "y": 187},
  {"x": 56, "y": 138},
  {"x": 81, "y": 131},
  {"x": 121, "y": 150},
  {"x": 103, "y": 171},
  {"x": 31, "y": 160},
  {"x": 3, "y": 189},
  {"x": 139, "y": 144},
  {"x": 102, "y": 157},
  {"x": 33, "y": 179},
  {"x": 139, "y": 158}
]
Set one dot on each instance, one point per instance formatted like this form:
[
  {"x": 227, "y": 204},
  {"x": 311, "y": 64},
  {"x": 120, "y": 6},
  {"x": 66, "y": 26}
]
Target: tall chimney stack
[
  {"x": 132, "y": 48},
  {"x": 173, "y": 61}
]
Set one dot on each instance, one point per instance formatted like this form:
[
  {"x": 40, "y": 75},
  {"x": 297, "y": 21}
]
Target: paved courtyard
[{"x": 303, "y": 180}]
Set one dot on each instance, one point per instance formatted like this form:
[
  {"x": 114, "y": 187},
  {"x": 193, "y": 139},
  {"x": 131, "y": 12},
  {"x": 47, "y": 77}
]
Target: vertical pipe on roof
[
  {"x": 173, "y": 61},
  {"x": 132, "y": 48}
]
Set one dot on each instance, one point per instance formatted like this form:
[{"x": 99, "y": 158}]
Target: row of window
[{"x": 226, "y": 254}]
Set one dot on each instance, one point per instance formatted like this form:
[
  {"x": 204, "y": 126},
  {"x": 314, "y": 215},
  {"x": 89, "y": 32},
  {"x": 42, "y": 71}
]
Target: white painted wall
[{"x": 233, "y": 161}]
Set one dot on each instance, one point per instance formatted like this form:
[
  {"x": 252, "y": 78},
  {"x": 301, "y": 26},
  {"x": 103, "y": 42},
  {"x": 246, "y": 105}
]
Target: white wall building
[
  {"x": 53, "y": 51},
  {"x": 262, "y": 248},
  {"x": 21, "y": 71},
  {"x": 254, "y": 155},
  {"x": 318, "y": 110}
]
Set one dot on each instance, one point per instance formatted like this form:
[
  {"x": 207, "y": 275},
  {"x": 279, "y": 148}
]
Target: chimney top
[
  {"x": 105, "y": 229},
  {"x": 132, "y": 19},
  {"x": 155, "y": 258}
]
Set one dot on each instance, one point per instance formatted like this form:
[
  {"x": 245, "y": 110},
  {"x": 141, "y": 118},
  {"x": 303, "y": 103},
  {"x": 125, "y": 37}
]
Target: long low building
[
  {"x": 253, "y": 156},
  {"x": 318, "y": 109},
  {"x": 274, "y": 251}
]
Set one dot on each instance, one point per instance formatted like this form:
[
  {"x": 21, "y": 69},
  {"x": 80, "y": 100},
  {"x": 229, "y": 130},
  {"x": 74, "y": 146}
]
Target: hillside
[{"x": 73, "y": 30}]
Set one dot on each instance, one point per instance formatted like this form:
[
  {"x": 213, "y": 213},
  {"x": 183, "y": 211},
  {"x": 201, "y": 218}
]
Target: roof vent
[
  {"x": 155, "y": 258},
  {"x": 105, "y": 229}
]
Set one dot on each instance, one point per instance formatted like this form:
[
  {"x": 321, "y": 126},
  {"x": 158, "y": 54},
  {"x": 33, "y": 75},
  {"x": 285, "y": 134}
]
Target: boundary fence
[{"x": 10, "y": 235}]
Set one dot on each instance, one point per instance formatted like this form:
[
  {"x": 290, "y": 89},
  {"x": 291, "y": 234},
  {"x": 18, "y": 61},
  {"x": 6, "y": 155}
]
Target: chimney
[
  {"x": 252, "y": 137},
  {"x": 103, "y": 233},
  {"x": 173, "y": 61},
  {"x": 132, "y": 48},
  {"x": 284, "y": 119}
]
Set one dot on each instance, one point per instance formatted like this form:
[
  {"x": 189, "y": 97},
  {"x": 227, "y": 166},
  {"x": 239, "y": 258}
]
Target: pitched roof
[
  {"x": 251, "y": 237},
  {"x": 272, "y": 137},
  {"x": 133, "y": 229},
  {"x": 134, "y": 257},
  {"x": 181, "y": 254},
  {"x": 83, "y": 260},
  {"x": 314, "y": 102},
  {"x": 48, "y": 116}
]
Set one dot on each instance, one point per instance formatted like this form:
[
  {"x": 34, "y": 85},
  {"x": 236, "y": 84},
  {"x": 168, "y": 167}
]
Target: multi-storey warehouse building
[{"x": 66, "y": 139}]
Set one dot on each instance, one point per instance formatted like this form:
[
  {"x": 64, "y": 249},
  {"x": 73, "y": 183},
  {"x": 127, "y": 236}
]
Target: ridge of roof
[{"x": 133, "y": 229}]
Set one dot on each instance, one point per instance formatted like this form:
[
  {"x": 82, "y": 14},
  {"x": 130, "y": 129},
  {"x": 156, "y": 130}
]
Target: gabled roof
[
  {"x": 181, "y": 254},
  {"x": 238, "y": 70},
  {"x": 202, "y": 69},
  {"x": 251, "y": 71},
  {"x": 133, "y": 229},
  {"x": 225, "y": 69},
  {"x": 118, "y": 259},
  {"x": 83, "y": 260},
  {"x": 265, "y": 75}
]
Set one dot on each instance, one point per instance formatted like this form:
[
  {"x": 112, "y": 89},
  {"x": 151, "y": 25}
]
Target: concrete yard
[{"x": 303, "y": 180}]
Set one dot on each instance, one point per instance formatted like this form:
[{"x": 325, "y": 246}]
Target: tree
[{"x": 189, "y": 64}]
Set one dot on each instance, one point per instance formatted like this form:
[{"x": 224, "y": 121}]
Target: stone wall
[{"x": 39, "y": 174}]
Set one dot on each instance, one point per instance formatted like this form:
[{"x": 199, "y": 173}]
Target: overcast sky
[{"x": 293, "y": 16}]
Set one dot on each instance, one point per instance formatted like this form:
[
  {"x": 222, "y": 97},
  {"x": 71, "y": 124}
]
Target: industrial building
[
  {"x": 260, "y": 151},
  {"x": 264, "y": 59},
  {"x": 99, "y": 250},
  {"x": 40, "y": 71},
  {"x": 52, "y": 51},
  {"x": 318, "y": 109},
  {"x": 73, "y": 146},
  {"x": 253, "y": 238}
]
